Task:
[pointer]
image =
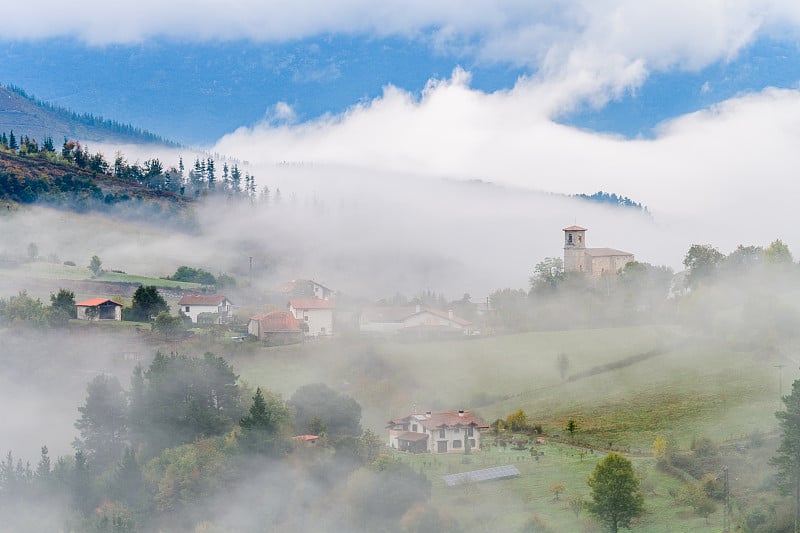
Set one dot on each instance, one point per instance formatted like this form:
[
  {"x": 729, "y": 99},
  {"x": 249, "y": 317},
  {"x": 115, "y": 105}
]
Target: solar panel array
[{"x": 498, "y": 472}]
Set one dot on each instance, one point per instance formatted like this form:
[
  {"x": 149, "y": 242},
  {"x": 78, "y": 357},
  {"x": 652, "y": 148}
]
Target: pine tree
[
  {"x": 12, "y": 141},
  {"x": 210, "y": 176},
  {"x": 47, "y": 146},
  {"x": 236, "y": 179},
  {"x": 262, "y": 427},
  {"x": 787, "y": 458},
  {"x": 43, "y": 468},
  {"x": 3, "y": 141}
]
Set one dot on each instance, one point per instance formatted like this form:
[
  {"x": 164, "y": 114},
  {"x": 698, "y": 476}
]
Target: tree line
[{"x": 167, "y": 452}]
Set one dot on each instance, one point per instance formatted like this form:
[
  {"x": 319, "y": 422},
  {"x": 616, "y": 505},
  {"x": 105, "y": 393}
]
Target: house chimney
[
  {"x": 427, "y": 414},
  {"x": 460, "y": 412}
]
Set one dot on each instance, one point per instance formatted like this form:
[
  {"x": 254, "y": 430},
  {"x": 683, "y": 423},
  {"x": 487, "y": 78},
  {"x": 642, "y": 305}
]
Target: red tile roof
[
  {"x": 278, "y": 322},
  {"x": 604, "y": 252},
  {"x": 445, "y": 418},
  {"x": 305, "y": 437},
  {"x": 446, "y": 315},
  {"x": 200, "y": 299},
  {"x": 411, "y": 436},
  {"x": 575, "y": 228},
  {"x": 312, "y": 303},
  {"x": 94, "y": 302}
]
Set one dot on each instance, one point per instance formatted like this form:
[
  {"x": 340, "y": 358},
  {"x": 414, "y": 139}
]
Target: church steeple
[{"x": 574, "y": 237}]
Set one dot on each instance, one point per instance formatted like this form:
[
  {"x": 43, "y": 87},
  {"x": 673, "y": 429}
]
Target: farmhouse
[
  {"x": 276, "y": 327},
  {"x": 215, "y": 309},
  {"x": 444, "y": 432},
  {"x": 413, "y": 321},
  {"x": 99, "y": 309},
  {"x": 308, "y": 288},
  {"x": 592, "y": 261},
  {"x": 316, "y": 313}
]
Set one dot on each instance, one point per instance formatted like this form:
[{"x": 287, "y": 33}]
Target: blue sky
[
  {"x": 197, "y": 92},
  {"x": 195, "y": 72}
]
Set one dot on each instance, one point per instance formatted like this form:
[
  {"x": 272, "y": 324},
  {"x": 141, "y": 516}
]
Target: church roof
[
  {"x": 604, "y": 252},
  {"x": 575, "y": 228}
]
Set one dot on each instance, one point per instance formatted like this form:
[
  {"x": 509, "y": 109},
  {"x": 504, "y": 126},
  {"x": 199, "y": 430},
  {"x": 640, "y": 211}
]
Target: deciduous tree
[
  {"x": 340, "y": 413},
  {"x": 96, "y": 266},
  {"x": 616, "y": 499},
  {"x": 547, "y": 276},
  {"x": 701, "y": 262}
]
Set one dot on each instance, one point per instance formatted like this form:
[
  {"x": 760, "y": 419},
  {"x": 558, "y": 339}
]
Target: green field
[
  {"x": 693, "y": 387},
  {"x": 57, "y": 271}
]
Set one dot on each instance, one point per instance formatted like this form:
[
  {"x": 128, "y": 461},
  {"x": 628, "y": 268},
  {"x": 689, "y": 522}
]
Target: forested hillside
[
  {"x": 53, "y": 179},
  {"x": 21, "y": 112}
]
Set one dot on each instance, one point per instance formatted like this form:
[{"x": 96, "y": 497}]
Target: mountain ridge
[{"x": 24, "y": 113}]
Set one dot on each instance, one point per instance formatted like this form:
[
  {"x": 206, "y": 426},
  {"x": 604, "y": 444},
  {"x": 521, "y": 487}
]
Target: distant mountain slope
[{"x": 24, "y": 114}]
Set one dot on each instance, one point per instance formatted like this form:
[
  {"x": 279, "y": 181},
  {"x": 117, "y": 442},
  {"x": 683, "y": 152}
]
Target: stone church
[{"x": 592, "y": 261}]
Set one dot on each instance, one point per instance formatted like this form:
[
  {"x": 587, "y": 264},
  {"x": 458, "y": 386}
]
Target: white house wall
[
  {"x": 319, "y": 321},
  {"x": 193, "y": 311}
]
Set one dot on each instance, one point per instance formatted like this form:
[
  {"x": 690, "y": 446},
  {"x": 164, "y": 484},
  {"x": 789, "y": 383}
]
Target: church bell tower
[{"x": 574, "y": 247}]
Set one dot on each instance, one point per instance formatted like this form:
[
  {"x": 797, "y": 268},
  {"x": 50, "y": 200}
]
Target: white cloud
[
  {"x": 721, "y": 175},
  {"x": 603, "y": 39}
]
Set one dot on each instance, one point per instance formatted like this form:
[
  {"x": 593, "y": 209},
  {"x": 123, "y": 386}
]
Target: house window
[
  {"x": 471, "y": 443},
  {"x": 187, "y": 309},
  {"x": 441, "y": 433},
  {"x": 414, "y": 428},
  {"x": 456, "y": 444},
  {"x": 305, "y": 318},
  {"x": 470, "y": 432},
  {"x": 322, "y": 331},
  {"x": 570, "y": 238}
]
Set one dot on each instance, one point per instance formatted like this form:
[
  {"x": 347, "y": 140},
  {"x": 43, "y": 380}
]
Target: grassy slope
[{"x": 692, "y": 389}]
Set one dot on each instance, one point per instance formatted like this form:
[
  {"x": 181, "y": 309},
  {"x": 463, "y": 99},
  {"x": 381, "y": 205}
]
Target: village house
[
  {"x": 276, "y": 327},
  {"x": 411, "y": 321},
  {"x": 308, "y": 288},
  {"x": 99, "y": 309},
  {"x": 317, "y": 314},
  {"x": 592, "y": 261},
  {"x": 203, "y": 309},
  {"x": 444, "y": 432}
]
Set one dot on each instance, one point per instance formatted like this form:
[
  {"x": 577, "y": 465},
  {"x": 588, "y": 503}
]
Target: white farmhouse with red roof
[
  {"x": 317, "y": 314},
  {"x": 217, "y": 304},
  {"x": 444, "y": 432},
  {"x": 99, "y": 309}
]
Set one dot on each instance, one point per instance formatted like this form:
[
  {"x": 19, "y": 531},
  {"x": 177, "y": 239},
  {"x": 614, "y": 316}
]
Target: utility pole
[
  {"x": 726, "y": 519},
  {"x": 251, "y": 271}
]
